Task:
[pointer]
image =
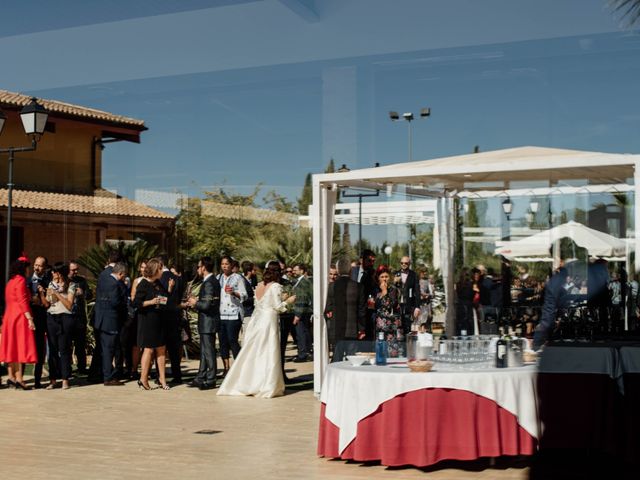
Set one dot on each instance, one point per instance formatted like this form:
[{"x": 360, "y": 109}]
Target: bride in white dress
[{"x": 257, "y": 370}]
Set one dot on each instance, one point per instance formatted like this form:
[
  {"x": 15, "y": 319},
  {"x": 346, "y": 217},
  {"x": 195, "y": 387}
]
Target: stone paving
[{"x": 97, "y": 432}]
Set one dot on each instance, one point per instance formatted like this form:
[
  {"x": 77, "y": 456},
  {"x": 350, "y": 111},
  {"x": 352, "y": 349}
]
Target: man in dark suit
[
  {"x": 83, "y": 293},
  {"x": 110, "y": 311},
  {"x": 208, "y": 308},
  {"x": 37, "y": 285},
  {"x": 172, "y": 315},
  {"x": 346, "y": 307},
  {"x": 555, "y": 298},
  {"x": 365, "y": 274},
  {"x": 408, "y": 283}
]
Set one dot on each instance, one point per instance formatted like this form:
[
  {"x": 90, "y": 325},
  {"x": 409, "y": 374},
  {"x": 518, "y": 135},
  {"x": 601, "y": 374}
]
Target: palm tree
[
  {"x": 95, "y": 258},
  {"x": 629, "y": 9}
]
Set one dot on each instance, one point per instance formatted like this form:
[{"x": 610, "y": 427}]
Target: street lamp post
[
  {"x": 408, "y": 117},
  {"x": 34, "y": 119},
  {"x": 505, "y": 265}
]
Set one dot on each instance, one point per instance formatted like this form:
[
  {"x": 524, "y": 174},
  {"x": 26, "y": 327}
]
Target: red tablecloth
[{"x": 426, "y": 426}]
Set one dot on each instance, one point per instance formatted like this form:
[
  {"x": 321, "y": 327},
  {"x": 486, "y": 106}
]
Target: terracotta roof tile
[
  {"x": 54, "y": 106},
  {"x": 102, "y": 203}
]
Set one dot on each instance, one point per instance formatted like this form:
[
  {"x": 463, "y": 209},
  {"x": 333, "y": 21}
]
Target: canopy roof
[
  {"x": 597, "y": 243},
  {"x": 476, "y": 170}
]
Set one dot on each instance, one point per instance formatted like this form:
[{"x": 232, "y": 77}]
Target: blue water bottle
[{"x": 381, "y": 350}]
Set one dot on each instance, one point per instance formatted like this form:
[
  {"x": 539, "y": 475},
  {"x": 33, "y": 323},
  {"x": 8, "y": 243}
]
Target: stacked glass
[{"x": 468, "y": 352}]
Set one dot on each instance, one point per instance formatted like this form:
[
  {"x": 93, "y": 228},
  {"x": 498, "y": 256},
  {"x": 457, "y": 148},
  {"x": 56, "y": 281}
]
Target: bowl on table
[
  {"x": 420, "y": 365},
  {"x": 357, "y": 360}
]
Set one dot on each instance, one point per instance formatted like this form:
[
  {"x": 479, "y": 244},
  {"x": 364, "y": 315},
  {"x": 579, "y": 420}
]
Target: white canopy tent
[
  {"x": 455, "y": 177},
  {"x": 597, "y": 243}
]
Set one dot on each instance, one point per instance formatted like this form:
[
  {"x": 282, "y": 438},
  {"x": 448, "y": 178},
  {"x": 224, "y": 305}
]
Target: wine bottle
[
  {"x": 502, "y": 359},
  {"x": 381, "y": 350}
]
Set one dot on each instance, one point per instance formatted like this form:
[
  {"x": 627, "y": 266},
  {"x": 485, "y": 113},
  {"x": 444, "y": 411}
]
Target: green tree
[
  {"x": 278, "y": 202},
  {"x": 306, "y": 198},
  {"x": 629, "y": 10},
  {"x": 331, "y": 166}
]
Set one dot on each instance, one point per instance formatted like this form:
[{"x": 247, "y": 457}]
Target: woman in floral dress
[{"x": 387, "y": 314}]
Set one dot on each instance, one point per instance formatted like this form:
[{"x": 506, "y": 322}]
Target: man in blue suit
[{"x": 109, "y": 316}]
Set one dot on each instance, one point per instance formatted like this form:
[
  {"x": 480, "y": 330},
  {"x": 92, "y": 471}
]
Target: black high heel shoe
[
  {"x": 11, "y": 383},
  {"x": 22, "y": 386},
  {"x": 143, "y": 386}
]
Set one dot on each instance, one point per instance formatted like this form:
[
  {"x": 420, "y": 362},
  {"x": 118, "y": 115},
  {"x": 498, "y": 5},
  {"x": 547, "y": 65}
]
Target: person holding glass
[
  {"x": 61, "y": 324},
  {"x": 152, "y": 336},
  {"x": 387, "y": 312},
  {"x": 233, "y": 293}
]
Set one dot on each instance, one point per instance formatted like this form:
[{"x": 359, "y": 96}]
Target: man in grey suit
[
  {"x": 208, "y": 308},
  {"x": 346, "y": 307}
]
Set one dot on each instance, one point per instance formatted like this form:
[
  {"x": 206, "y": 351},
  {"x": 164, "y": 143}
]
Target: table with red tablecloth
[{"x": 399, "y": 417}]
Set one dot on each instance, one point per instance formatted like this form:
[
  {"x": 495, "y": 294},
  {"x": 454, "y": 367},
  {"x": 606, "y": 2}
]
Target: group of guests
[
  {"x": 363, "y": 301},
  {"x": 140, "y": 322},
  {"x": 44, "y": 307}
]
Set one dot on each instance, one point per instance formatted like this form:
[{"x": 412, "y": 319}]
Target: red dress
[{"x": 17, "y": 344}]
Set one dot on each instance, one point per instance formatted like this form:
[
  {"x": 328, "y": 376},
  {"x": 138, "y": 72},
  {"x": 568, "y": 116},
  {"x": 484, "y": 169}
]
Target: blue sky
[{"x": 240, "y": 92}]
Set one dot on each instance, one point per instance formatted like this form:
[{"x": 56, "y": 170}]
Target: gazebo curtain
[{"x": 323, "y": 213}]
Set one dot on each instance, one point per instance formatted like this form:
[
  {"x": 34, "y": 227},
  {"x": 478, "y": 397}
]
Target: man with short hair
[
  {"x": 79, "y": 336},
  {"x": 250, "y": 283},
  {"x": 365, "y": 274},
  {"x": 408, "y": 283},
  {"x": 333, "y": 273},
  {"x": 37, "y": 284},
  {"x": 110, "y": 310},
  {"x": 232, "y": 295},
  {"x": 302, "y": 311},
  {"x": 208, "y": 307},
  {"x": 346, "y": 307}
]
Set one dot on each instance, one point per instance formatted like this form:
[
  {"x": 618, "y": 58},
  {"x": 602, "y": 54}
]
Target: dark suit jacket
[
  {"x": 208, "y": 305},
  {"x": 367, "y": 281},
  {"x": 410, "y": 292},
  {"x": 175, "y": 297},
  {"x": 110, "y": 308},
  {"x": 347, "y": 303}
]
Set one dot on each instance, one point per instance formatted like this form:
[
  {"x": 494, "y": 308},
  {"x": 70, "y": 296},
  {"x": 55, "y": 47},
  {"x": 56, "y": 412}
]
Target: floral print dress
[{"x": 388, "y": 320}]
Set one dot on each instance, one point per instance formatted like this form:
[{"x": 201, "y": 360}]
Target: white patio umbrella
[{"x": 597, "y": 243}]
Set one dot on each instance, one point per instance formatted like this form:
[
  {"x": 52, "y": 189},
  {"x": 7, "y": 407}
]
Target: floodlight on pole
[{"x": 409, "y": 117}]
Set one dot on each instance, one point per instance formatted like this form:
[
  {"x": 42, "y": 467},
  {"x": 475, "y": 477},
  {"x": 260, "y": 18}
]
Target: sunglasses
[{"x": 404, "y": 263}]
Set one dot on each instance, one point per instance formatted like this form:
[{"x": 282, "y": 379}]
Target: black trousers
[
  {"x": 228, "y": 333},
  {"x": 303, "y": 329},
  {"x": 60, "y": 332},
  {"x": 79, "y": 340},
  {"x": 110, "y": 343},
  {"x": 174, "y": 344},
  {"x": 286, "y": 326},
  {"x": 207, "y": 370},
  {"x": 95, "y": 369},
  {"x": 128, "y": 339},
  {"x": 40, "y": 320}
]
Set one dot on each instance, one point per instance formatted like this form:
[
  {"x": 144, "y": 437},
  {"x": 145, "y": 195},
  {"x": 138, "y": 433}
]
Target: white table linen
[{"x": 353, "y": 393}]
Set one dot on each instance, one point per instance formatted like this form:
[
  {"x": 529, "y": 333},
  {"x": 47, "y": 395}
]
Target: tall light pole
[
  {"x": 34, "y": 119},
  {"x": 408, "y": 117}
]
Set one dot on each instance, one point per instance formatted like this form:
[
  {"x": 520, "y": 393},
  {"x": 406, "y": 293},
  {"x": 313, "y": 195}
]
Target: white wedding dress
[{"x": 258, "y": 369}]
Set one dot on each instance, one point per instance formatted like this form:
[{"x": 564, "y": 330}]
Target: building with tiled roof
[{"x": 59, "y": 206}]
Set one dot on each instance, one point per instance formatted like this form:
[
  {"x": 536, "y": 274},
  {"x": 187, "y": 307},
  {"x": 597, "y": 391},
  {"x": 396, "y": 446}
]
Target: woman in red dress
[{"x": 17, "y": 344}]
